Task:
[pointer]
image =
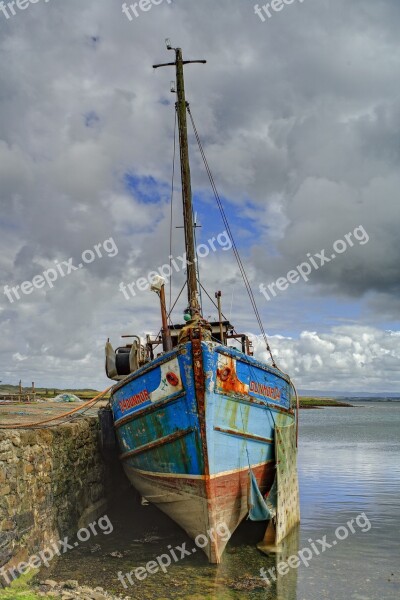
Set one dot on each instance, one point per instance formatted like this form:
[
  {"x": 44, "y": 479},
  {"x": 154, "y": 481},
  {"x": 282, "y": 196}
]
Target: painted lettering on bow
[
  {"x": 134, "y": 400},
  {"x": 265, "y": 390}
]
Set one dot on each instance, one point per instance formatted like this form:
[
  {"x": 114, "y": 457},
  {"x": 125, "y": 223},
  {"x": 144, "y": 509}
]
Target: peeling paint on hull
[
  {"x": 188, "y": 446},
  {"x": 205, "y": 503}
]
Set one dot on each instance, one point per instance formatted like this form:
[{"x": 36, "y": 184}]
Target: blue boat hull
[{"x": 191, "y": 424}]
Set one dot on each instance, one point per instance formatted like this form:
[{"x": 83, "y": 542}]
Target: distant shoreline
[
  {"x": 315, "y": 402},
  {"x": 87, "y": 394}
]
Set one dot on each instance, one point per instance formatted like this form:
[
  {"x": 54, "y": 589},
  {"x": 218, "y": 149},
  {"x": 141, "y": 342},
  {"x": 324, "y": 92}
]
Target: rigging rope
[
  {"x": 215, "y": 304},
  {"x": 169, "y": 314},
  {"x": 171, "y": 212},
  {"x": 198, "y": 269},
  {"x": 234, "y": 247}
]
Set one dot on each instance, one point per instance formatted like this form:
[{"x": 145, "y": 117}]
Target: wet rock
[
  {"x": 248, "y": 584},
  {"x": 85, "y": 589},
  {"x": 51, "y": 583},
  {"x": 71, "y": 584},
  {"x": 71, "y": 590}
]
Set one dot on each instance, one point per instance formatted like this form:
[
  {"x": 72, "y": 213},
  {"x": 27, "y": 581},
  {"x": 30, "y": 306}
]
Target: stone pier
[{"x": 52, "y": 482}]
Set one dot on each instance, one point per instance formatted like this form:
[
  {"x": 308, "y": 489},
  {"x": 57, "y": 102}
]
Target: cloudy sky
[{"x": 300, "y": 119}]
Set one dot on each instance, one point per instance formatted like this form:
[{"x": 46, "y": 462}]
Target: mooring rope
[{"x": 32, "y": 425}]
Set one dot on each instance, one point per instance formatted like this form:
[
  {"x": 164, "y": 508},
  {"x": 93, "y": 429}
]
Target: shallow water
[{"x": 349, "y": 463}]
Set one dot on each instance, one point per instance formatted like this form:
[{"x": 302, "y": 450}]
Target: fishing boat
[{"x": 196, "y": 415}]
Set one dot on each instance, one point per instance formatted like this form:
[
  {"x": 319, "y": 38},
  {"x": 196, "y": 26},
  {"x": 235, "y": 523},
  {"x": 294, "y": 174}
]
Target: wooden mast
[{"x": 181, "y": 106}]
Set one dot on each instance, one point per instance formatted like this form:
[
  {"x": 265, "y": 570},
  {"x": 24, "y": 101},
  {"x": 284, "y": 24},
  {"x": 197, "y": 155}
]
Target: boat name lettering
[
  {"x": 265, "y": 390},
  {"x": 134, "y": 400}
]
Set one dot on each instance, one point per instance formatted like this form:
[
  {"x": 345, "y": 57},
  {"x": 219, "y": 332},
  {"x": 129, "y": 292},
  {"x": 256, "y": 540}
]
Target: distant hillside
[
  {"x": 314, "y": 402},
  {"x": 85, "y": 393}
]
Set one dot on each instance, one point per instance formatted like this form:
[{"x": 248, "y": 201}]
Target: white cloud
[
  {"x": 347, "y": 358},
  {"x": 303, "y": 142}
]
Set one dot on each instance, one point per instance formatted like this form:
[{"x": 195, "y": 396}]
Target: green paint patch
[{"x": 232, "y": 408}]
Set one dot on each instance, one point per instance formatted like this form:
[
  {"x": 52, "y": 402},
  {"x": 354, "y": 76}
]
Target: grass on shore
[
  {"x": 50, "y": 393},
  {"x": 310, "y": 402},
  {"x": 20, "y": 589}
]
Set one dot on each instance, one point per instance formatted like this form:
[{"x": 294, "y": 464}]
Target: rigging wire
[
  {"x": 169, "y": 314},
  {"x": 216, "y": 306},
  {"x": 171, "y": 212},
  {"x": 230, "y": 310},
  {"x": 214, "y": 303},
  {"x": 179, "y": 295},
  {"x": 198, "y": 269},
  {"x": 234, "y": 247}
]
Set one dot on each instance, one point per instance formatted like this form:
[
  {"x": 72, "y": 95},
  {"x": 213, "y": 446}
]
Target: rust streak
[
  {"x": 199, "y": 382},
  {"x": 228, "y": 380}
]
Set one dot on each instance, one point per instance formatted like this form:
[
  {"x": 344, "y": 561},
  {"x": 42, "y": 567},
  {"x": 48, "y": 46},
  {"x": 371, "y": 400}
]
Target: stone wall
[{"x": 52, "y": 483}]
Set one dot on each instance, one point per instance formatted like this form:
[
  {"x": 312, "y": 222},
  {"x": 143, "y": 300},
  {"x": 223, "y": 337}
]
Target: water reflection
[{"x": 286, "y": 587}]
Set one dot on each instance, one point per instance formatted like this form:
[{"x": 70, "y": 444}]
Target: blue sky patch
[
  {"x": 91, "y": 119},
  {"x": 146, "y": 189},
  {"x": 244, "y": 230}
]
